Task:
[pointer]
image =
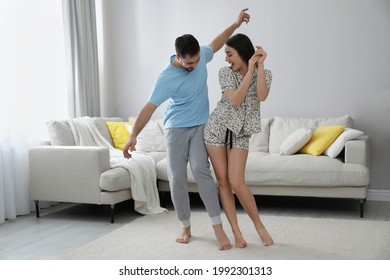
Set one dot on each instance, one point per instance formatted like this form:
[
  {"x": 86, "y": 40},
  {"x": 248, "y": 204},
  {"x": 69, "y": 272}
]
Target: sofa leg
[
  {"x": 112, "y": 213},
  {"x": 361, "y": 207},
  {"x": 36, "y": 207},
  {"x": 162, "y": 199}
]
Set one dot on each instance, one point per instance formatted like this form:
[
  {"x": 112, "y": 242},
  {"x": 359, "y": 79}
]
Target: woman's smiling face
[{"x": 233, "y": 58}]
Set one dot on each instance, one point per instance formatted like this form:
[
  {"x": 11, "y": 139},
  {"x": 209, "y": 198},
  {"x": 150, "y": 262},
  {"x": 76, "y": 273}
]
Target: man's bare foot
[
  {"x": 222, "y": 239},
  {"x": 184, "y": 236},
  {"x": 240, "y": 241},
  {"x": 264, "y": 235}
]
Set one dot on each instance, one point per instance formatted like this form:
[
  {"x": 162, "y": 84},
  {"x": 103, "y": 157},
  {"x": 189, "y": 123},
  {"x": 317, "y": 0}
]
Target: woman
[{"x": 237, "y": 116}]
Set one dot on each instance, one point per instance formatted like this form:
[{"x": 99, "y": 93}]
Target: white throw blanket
[{"x": 141, "y": 167}]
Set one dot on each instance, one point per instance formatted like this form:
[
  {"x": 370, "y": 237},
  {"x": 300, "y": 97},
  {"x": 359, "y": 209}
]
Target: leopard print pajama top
[{"x": 246, "y": 119}]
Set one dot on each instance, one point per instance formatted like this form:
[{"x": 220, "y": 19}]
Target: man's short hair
[{"x": 186, "y": 44}]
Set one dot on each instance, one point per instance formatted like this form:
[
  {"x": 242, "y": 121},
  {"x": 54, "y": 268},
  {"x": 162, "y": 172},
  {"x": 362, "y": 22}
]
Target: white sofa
[{"x": 63, "y": 172}]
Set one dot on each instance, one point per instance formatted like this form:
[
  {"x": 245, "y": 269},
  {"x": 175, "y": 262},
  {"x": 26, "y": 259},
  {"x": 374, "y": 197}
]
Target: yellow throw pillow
[
  {"x": 321, "y": 139},
  {"x": 119, "y": 133}
]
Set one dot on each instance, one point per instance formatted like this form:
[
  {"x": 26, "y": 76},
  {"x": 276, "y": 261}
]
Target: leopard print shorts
[{"x": 218, "y": 136}]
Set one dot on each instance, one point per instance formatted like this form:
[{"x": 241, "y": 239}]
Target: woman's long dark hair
[{"x": 243, "y": 45}]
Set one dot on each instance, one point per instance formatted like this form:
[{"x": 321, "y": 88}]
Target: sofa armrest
[
  {"x": 67, "y": 173},
  {"x": 358, "y": 151}
]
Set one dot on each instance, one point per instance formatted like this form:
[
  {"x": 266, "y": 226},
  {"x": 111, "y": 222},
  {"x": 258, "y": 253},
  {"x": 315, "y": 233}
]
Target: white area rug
[{"x": 301, "y": 238}]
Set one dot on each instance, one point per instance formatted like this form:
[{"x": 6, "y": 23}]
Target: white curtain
[
  {"x": 82, "y": 57},
  {"x": 32, "y": 91}
]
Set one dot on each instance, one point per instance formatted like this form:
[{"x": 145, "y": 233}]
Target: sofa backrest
[
  {"x": 60, "y": 133},
  {"x": 282, "y": 127},
  {"x": 273, "y": 131}
]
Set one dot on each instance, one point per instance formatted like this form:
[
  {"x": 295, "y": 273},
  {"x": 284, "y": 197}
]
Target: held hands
[
  {"x": 242, "y": 17},
  {"x": 261, "y": 54},
  {"x": 257, "y": 58}
]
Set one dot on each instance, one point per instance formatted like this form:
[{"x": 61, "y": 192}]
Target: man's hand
[
  {"x": 130, "y": 146},
  {"x": 220, "y": 40},
  {"x": 142, "y": 119},
  {"x": 242, "y": 17}
]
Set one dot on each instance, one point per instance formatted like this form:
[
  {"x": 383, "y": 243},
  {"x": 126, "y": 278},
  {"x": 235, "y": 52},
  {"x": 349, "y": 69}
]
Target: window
[{"x": 33, "y": 90}]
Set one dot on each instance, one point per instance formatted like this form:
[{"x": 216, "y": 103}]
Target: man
[{"x": 184, "y": 82}]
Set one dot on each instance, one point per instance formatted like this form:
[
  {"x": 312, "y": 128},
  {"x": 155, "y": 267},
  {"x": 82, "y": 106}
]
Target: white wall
[{"x": 328, "y": 58}]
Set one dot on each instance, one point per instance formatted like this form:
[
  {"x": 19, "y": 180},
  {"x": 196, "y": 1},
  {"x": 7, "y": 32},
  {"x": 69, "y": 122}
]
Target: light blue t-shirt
[{"x": 186, "y": 92}]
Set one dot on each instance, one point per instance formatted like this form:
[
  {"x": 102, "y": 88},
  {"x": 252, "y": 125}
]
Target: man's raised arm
[{"x": 220, "y": 40}]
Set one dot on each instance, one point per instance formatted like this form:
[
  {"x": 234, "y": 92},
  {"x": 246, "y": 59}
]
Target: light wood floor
[{"x": 65, "y": 227}]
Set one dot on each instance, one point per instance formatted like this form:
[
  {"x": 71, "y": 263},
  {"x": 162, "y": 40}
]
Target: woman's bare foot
[
  {"x": 264, "y": 235},
  {"x": 240, "y": 241},
  {"x": 184, "y": 236},
  {"x": 222, "y": 239}
]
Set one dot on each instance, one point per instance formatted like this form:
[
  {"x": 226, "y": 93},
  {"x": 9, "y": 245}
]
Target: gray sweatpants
[{"x": 187, "y": 145}]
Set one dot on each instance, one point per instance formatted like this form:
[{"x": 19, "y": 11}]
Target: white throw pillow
[
  {"x": 295, "y": 141},
  {"x": 338, "y": 145},
  {"x": 259, "y": 141},
  {"x": 151, "y": 138},
  {"x": 60, "y": 133}
]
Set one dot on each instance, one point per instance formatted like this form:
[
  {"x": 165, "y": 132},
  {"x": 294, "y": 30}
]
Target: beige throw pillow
[{"x": 295, "y": 141}]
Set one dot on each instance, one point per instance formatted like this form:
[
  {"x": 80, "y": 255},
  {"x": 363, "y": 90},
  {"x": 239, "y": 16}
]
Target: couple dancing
[{"x": 191, "y": 135}]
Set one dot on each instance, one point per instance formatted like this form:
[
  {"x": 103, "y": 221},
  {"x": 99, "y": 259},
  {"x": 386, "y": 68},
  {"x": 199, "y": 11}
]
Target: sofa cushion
[
  {"x": 115, "y": 179},
  {"x": 303, "y": 170},
  {"x": 321, "y": 139},
  {"x": 297, "y": 170},
  {"x": 259, "y": 142},
  {"x": 157, "y": 156},
  {"x": 282, "y": 127}
]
